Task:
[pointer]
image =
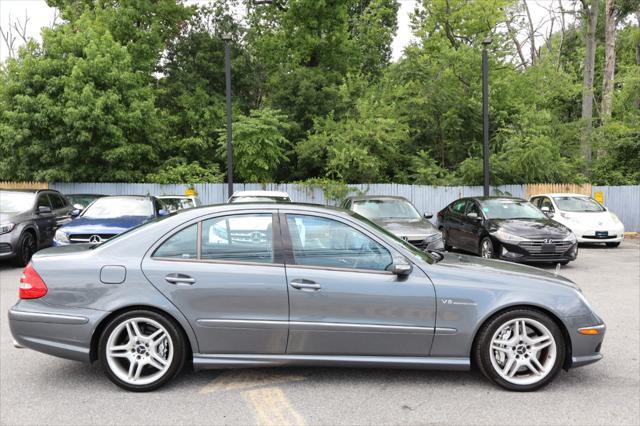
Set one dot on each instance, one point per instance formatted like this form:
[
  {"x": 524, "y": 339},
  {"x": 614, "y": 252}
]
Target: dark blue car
[{"x": 107, "y": 217}]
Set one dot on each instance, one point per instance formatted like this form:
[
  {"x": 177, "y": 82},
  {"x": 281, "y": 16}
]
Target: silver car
[{"x": 258, "y": 285}]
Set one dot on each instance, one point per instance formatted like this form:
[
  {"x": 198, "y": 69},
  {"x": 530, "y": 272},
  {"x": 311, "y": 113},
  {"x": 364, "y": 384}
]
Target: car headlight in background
[
  {"x": 505, "y": 236},
  {"x": 61, "y": 237},
  {"x": 6, "y": 227}
]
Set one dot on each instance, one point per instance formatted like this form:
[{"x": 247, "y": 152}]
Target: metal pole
[
  {"x": 485, "y": 115},
  {"x": 227, "y": 71}
]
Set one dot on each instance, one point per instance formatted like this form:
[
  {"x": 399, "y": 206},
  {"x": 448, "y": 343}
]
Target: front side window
[
  {"x": 578, "y": 204},
  {"x": 473, "y": 210},
  {"x": 458, "y": 206},
  {"x": 239, "y": 238},
  {"x": 322, "y": 242},
  {"x": 43, "y": 201},
  {"x": 181, "y": 245},
  {"x": 385, "y": 209},
  {"x": 56, "y": 201},
  {"x": 546, "y": 204}
]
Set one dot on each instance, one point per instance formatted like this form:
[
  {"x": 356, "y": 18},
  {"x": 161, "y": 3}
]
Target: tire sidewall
[
  {"x": 19, "y": 259},
  {"x": 482, "y": 349},
  {"x": 179, "y": 349},
  {"x": 493, "y": 248}
]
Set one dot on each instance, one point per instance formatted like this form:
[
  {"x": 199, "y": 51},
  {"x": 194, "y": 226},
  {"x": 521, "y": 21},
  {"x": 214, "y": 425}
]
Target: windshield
[
  {"x": 143, "y": 225},
  {"x": 175, "y": 204},
  {"x": 83, "y": 200},
  {"x": 260, "y": 200},
  {"x": 15, "y": 202},
  {"x": 578, "y": 204},
  {"x": 510, "y": 209},
  {"x": 417, "y": 253},
  {"x": 385, "y": 209},
  {"x": 111, "y": 207}
]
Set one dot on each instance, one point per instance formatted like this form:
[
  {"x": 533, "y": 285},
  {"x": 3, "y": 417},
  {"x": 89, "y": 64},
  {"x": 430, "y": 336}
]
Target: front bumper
[
  {"x": 8, "y": 244},
  {"x": 585, "y": 348},
  {"x": 534, "y": 252},
  {"x": 59, "y": 331}
]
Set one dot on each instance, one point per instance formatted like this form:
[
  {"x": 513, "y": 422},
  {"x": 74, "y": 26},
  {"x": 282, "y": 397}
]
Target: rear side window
[
  {"x": 238, "y": 238},
  {"x": 181, "y": 245}
]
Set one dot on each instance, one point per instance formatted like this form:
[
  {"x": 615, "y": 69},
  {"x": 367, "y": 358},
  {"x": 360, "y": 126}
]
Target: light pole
[
  {"x": 227, "y": 71},
  {"x": 485, "y": 114}
]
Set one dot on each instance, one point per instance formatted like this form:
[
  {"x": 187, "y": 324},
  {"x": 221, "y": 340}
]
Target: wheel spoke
[
  {"x": 535, "y": 366},
  {"x": 541, "y": 343},
  {"x": 157, "y": 336},
  {"x": 508, "y": 366},
  {"x": 121, "y": 351},
  {"x": 496, "y": 346},
  {"x": 136, "y": 329}
]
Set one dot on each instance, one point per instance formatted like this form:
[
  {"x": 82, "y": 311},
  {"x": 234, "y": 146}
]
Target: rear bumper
[{"x": 58, "y": 331}]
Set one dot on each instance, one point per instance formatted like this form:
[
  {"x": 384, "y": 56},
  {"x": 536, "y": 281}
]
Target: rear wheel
[
  {"x": 25, "y": 249},
  {"x": 616, "y": 244},
  {"x": 520, "y": 350},
  {"x": 141, "y": 350}
]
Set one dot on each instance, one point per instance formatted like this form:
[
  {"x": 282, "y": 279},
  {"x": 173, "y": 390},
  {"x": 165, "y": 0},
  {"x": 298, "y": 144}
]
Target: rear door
[
  {"x": 343, "y": 300},
  {"x": 227, "y": 276}
]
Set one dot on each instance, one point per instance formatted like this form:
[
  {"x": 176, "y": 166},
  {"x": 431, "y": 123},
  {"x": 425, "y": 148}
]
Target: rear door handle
[
  {"x": 179, "y": 279},
  {"x": 302, "y": 284}
]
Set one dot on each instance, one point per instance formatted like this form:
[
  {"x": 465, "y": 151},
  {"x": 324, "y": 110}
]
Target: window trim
[
  {"x": 289, "y": 258},
  {"x": 278, "y": 256}
]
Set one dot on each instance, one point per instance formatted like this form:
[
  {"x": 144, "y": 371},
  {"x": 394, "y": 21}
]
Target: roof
[
  {"x": 260, "y": 194},
  {"x": 376, "y": 197},
  {"x": 175, "y": 196},
  {"x": 214, "y": 208},
  {"x": 560, "y": 194},
  {"x": 480, "y": 198}
]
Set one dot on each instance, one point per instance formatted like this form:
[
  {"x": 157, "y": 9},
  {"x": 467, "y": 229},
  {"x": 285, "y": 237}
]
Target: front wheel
[
  {"x": 26, "y": 247},
  {"x": 616, "y": 244},
  {"x": 520, "y": 350},
  {"x": 486, "y": 248},
  {"x": 141, "y": 350}
]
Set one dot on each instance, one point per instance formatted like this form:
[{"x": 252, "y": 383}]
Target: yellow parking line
[
  {"x": 271, "y": 407},
  {"x": 247, "y": 379}
]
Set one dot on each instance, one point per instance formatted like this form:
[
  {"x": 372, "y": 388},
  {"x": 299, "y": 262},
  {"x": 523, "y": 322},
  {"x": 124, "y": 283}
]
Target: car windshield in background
[
  {"x": 385, "y": 209},
  {"x": 578, "y": 204},
  {"x": 16, "y": 202},
  {"x": 260, "y": 200},
  {"x": 175, "y": 204},
  {"x": 83, "y": 200},
  {"x": 110, "y": 207},
  {"x": 510, "y": 209}
]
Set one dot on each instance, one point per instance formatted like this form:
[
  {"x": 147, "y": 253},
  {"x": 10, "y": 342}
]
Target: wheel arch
[
  {"x": 97, "y": 332},
  {"x": 555, "y": 318}
]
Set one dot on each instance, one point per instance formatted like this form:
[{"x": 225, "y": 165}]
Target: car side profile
[
  {"x": 28, "y": 221},
  {"x": 589, "y": 220},
  {"x": 259, "y": 285},
  {"x": 506, "y": 228}
]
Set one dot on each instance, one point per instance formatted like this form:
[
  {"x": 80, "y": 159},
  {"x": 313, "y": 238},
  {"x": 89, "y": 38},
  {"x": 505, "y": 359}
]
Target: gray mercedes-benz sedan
[{"x": 257, "y": 285}]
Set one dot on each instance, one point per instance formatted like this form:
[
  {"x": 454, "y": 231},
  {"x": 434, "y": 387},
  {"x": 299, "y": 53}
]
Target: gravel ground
[{"x": 40, "y": 389}]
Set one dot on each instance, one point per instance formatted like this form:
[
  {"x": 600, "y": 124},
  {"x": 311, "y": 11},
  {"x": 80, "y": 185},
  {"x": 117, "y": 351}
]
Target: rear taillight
[{"x": 31, "y": 285}]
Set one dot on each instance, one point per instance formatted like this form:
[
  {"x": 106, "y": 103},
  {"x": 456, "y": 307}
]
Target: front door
[
  {"x": 227, "y": 277},
  {"x": 46, "y": 222},
  {"x": 343, "y": 300},
  {"x": 470, "y": 228}
]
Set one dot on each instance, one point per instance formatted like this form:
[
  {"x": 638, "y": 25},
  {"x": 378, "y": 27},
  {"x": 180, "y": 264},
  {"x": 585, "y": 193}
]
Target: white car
[
  {"x": 260, "y": 197},
  {"x": 589, "y": 220}
]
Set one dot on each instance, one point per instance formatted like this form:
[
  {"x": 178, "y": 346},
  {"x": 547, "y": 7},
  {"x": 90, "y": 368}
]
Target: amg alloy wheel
[
  {"x": 521, "y": 350},
  {"x": 141, "y": 350}
]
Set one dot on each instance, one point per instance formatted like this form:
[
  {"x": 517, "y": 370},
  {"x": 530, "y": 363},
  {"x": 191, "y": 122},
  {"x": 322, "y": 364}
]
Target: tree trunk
[
  {"x": 590, "y": 14},
  {"x": 609, "y": 59},
  {"x": 532, "y": 34}
]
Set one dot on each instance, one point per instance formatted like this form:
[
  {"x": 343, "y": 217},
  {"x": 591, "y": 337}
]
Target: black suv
[{"x": 28, "y": 221}]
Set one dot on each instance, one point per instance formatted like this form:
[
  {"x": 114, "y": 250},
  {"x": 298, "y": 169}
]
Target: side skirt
[{"x": 201, "y": 361}]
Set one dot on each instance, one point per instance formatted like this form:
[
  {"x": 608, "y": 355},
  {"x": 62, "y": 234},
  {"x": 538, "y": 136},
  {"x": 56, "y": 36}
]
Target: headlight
[
  {"x": 6, "y": 227},
  {"x": 505, "y": 236},
  {"x": 61, "y": 237},
  {"x": 572, "y": 238},
  {"x": 616, "y": 219}
]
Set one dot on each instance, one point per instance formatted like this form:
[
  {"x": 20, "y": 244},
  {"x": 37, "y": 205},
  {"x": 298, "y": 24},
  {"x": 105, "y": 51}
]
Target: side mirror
[
  {"x": 427, "y": 215},
  {"x": 162, "y": 212},
  {"x": 44, "y": 210},
  {"x": 78, "y": 207},
  {"x": 75, "y": 213},
  {"x": 545, "y": 209},
  {"x": 401, "y": 267},
  {"x": 473, "y": 215}
]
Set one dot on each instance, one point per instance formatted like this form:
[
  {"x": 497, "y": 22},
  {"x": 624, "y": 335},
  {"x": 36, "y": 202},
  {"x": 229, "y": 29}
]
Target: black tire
[
  {"x": 175, "y": 334},
  {"x": 616, "y": 244},
  {"x": 26, "y": 247},
  {"x": 481, "y": 354},
  {"x": 487, "y": 240},
  {"x": 447, "y": 247}
]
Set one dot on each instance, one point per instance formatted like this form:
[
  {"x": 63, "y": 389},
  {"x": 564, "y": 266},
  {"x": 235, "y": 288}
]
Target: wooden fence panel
[
  {"x": 24, "y": 185},
  {"x": 545, "y": 188}
]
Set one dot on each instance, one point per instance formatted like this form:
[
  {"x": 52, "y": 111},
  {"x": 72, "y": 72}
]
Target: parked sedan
[
  {"x": 107, "y": 217},
  {"x": 28, "y": 220},
  {"x": 261, "y": 285},
  {"x": 506, "y": 228},
  {"x": 398, "y": 216},
  {"x": 589, "y": 220}
]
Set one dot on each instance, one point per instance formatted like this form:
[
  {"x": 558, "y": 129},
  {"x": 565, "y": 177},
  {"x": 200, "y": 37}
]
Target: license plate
[
  {"x": 602, "y": 234},
  {"x": 548, "y": 248}
]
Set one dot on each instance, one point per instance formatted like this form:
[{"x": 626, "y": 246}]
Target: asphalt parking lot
[{"x": 40, "y": 389}]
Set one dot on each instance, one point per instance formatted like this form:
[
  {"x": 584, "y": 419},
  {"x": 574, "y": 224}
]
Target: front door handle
[
  {"x": 179, "y": 279},
  {"x": 302, "y": 284}
]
